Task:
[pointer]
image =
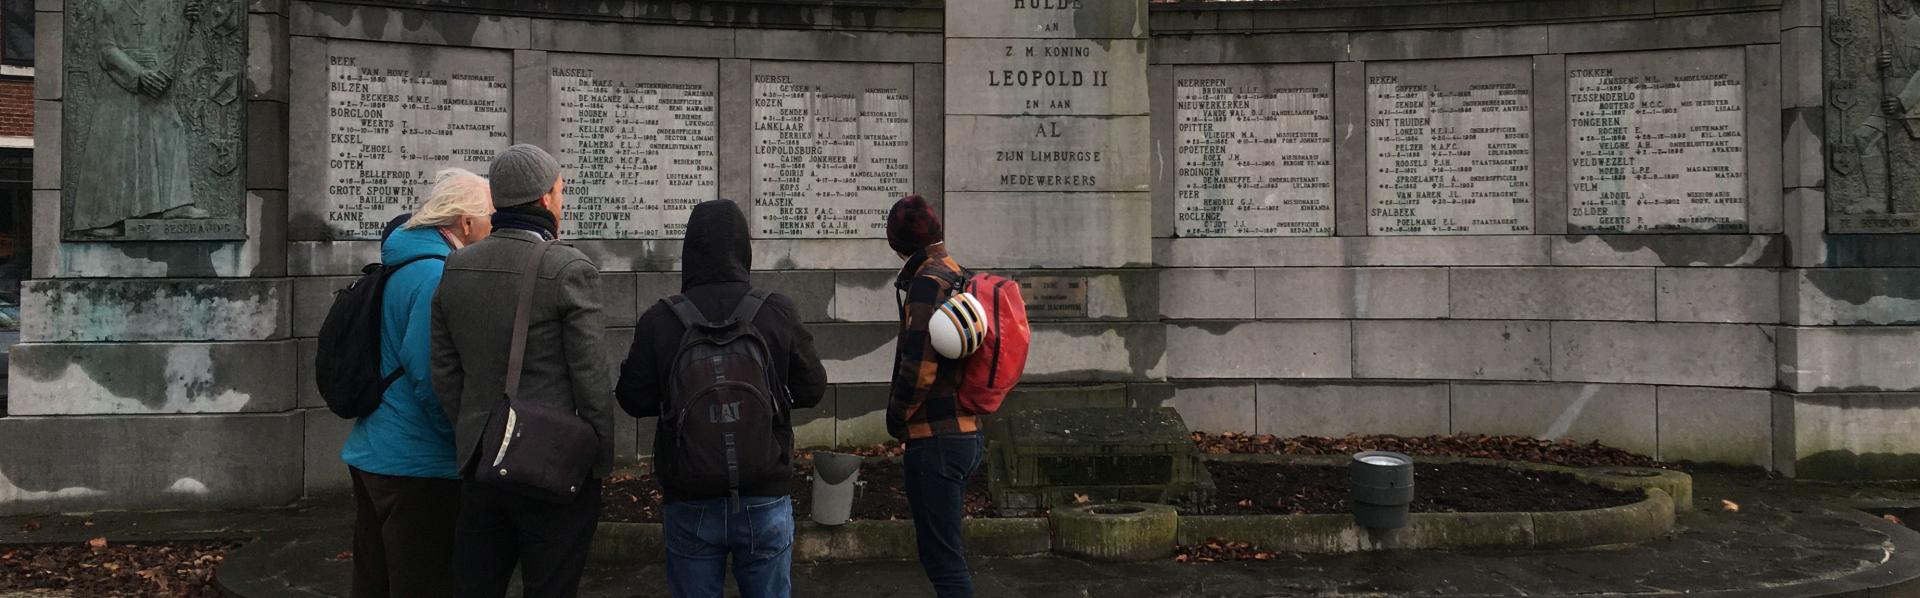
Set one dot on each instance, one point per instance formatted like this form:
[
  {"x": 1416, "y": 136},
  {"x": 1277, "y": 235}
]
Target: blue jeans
[
  {"x": 701, "y": 533},
  {"x": 937, "y": 472}
]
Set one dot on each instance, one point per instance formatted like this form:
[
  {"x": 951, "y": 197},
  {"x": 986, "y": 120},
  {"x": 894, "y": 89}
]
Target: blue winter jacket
[{"x": 409, "y": 434}]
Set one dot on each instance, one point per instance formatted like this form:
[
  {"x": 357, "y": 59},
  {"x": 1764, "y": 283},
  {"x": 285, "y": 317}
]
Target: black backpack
[
  {"x": 348, "y": 366},
  {"x": 724, "y": 404}
]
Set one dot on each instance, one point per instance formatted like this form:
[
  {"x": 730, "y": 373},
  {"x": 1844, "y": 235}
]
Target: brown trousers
[{"x": 403, "y": 535}]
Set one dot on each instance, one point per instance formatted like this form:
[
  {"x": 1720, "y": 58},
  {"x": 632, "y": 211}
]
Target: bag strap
[
  {"x": 749, "y": 306},
  {"x": 689, "y": 315},
  {"x": 522, "y": 318}
]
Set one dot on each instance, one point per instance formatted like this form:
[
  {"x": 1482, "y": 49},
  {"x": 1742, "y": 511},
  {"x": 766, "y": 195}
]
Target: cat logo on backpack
[{"x": 723, "y": 414}]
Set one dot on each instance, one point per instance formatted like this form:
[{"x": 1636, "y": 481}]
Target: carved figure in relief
[
  {"x": 1897, "y": 109},
  {"x": 154, "y": 93}
]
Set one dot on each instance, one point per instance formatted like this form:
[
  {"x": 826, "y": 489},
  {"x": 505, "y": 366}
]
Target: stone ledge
[{"x": 855, "y": 541}]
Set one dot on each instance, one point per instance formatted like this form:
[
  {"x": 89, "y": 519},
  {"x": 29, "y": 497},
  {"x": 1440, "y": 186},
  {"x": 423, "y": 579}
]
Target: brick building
[{"x": 16, "y": 164}]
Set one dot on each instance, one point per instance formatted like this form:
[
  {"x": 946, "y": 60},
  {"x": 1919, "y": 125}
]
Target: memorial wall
[{"x": 1554, "y": 218}]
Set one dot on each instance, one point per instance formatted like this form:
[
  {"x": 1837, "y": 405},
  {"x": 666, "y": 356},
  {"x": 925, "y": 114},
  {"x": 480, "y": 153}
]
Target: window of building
[{"x": 16, "y": 32}]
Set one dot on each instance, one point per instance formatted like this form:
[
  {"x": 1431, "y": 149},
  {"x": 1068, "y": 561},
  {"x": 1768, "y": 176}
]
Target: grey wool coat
[{"x": 565, "y": 364}]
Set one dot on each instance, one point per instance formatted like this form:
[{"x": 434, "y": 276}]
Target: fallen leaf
[
  {"x": 97, "y": 544},
  {"x": 1081, "y": 499},
  {"x": 1729, "y": 506},
  {"x": 1894, "y": 518},
  {"x": 344, "y": 555},
  {"x": 1180, "y": 558}
]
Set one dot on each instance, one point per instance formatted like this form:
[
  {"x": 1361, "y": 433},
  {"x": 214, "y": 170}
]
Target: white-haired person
[{"x": 406, "y": 485}]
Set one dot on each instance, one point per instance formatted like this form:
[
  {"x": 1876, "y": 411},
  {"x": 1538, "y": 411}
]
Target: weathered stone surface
[
  {"x": 306, "y": 390},
  {"x": 1763, "y": 251},
  {"x": 49, "y": 75},
  {"x": 1362, "y": 293},
  {"x": 1806, "y": 227},
  {"x": 1207, "y": 294},
  {"x": 1803, "y": 162},
  {"x": 1666, "y": 32},
  {"x": 1731, "y": 295},
  {"x": 1051, "y": 230},
  {"x": 1092, "y": 352},
  {"x": 1802, "y": 80},
  {"x": 1850, "y": 296},
  {"x": 155, "y": 310},
  {"x": 325, "y": 433},
  {"x": 854, "y": 353},
  {"x": 930, "y": 132},
  {"x": 860, "y": 414},
  {"x": 1764, "y": 170},
  {"x": 1248, "y": 253},
  {"x": 818, "y": 254},
  {"x": 440, "y": 28},
  {"x": 129, "y": 378},
  {"x": 46, "y": 162},
  {"x": 1861, "y": 359},
  {"x": 862, "y": 46},
  {"x": 266, "y": 57},
  {"x": 1716, "y": 425},
  {"x": 1458, "y": 350},
  {"x": 1550, "y": 139},
  {"x": 1413, "y": 44},
  {"x": 1621, "y": 416},
  {"x": 618, "y": 304},
  {"x": 1504, "y": 250},
  {"x": 1341, "y": 408},
  {"x": 631, "y": 38},
  {"x": 814, "y": 427},
  {"x": 62, "y": 464},
  {"x": 1259, "y": 350},
  {"x": 1252, "y": 48},
  {"x": 1350, "y": 120},
  {"x": 266, "y": 145},
  {"x": 812, "y": 291},
  {"x": 1552, "y": 293},
  {"x": 1798, "y": 13},
  {"x": 1847, "y": 436},
  {"x": 335, "y": 258},
  {"x": 1730, "y": 355},
  {"x": 864, "y": 296},
  {"x": 1215, "y": 407}
]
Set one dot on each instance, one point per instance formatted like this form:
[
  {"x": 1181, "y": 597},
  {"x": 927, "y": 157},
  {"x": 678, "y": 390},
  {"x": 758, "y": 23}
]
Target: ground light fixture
[{"x": 1382, "y": 489}]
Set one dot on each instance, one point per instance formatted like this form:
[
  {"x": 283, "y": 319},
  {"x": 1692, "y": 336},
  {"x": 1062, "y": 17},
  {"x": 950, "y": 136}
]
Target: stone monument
[
  {"x": 1873, "y": 116},
  {"x": 154, "y": 118}
]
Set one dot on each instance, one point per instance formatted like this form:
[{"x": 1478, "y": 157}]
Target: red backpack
[{"x": 993, "y": 370}]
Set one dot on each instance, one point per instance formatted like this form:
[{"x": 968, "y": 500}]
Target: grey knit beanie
[{"x": 521, "y": 174}]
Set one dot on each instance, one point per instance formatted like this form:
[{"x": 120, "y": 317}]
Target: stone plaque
[
  {"x": 396, "y": 115},
  {"x": 832, "y": 148},
  {"x": 1254, "y": 151},
  {"x": 1872, "y": 67},
  {"x": 1054, "y": 297},
  {"x": 1046, "y": 76},
  {"x": 153, "y": 146},
  {"x": 1053, "y": 153},
  {"x": 1110, "y": 19},
  {"x": 1657, "y": 142},
  {"x": 637, "y": 139},
  {"x": 1450, "y": 150}
]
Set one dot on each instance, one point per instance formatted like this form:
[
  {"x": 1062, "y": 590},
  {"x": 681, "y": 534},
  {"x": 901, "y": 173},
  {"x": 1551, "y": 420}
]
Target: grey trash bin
[{"x": 836, "y": 477}]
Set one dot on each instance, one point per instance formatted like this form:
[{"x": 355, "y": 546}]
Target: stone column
[
  {"x": 1048, "y": 136},
  {"x": 156, "y": 368}
]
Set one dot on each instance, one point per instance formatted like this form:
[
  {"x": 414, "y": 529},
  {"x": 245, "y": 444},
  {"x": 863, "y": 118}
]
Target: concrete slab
[
  {"x": 151, "y": 378},
  {"x": 1832, "y": 359},
  {"x": 1727, "y": 355},
  {"x": 325, "y": 433},
  {"x": 1210, "y": 407},
  {"x": 1761, "y": 251},
  {"x": 1341, "y": 408},
  {"x": 1851, "y": 296},
  {"x": 155, "y": 310},
  {"x": 1552, "y": 293},
  {"x": 1357, "y": 293},
  {"x": 1207, "y": 294},
  {"x": 1847, "y": 436},
  {"x": 1711, "y": 425},
  {"x": 1259, "y": 350},
  {"x": 1723, "y": 295},
  {"x": 62, "y": 464},
  {"x": 1450, "y": 349},
  {"x": 1622, "y": 416}
]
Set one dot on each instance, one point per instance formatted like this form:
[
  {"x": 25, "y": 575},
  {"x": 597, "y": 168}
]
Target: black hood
[{"x": 718, "y": 247}]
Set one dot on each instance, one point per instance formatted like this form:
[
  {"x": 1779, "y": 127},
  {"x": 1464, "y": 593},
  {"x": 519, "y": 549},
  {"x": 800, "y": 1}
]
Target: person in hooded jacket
[
  {"x": 703, "y": 529},
  {"x": 406, "y": 483}
]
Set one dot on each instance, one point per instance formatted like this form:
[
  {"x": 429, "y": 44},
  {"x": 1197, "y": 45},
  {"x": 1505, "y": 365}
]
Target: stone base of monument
[
  {"x": 1115, "y": 532},
  {"x": 1041, "y": 459}
]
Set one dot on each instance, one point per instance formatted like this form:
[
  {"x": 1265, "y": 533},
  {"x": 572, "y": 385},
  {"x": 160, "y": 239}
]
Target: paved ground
[{"x": 1786, "y": 539}]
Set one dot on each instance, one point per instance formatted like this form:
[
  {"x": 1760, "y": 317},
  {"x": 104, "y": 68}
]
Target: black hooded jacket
[{"x": 714, "y": 275}]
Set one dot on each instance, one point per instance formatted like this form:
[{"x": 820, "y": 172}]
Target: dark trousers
[
  {"x": 403, "y": 535},
  {"x": 937, "y": 470},
  {"x": 499, "y": 529}
]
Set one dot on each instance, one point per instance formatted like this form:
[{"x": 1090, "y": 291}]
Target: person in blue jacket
[{"x": 406, "y": 484}]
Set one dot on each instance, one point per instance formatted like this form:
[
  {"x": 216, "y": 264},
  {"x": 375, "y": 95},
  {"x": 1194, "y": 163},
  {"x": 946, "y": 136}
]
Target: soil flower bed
[
  {"x": 100, "y": 569},
  {"x": 1564, "y": 452},
  {"x": 1283, "y": 489}
]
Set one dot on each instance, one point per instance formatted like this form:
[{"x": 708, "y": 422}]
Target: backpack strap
[
  {"x": 386, "y": 270},
  {"x": 749, "y": 307},
  {"x": 385, "y": 273},
  {"x": 689, "y": 315},
  {"x": 522, "y": 318}
]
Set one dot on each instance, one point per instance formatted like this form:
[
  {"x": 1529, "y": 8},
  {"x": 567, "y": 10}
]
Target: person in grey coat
[{"x": 473, "y": 315}]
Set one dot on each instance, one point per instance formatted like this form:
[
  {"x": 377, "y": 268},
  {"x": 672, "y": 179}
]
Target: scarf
[{"x": 528, "y": 217}]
